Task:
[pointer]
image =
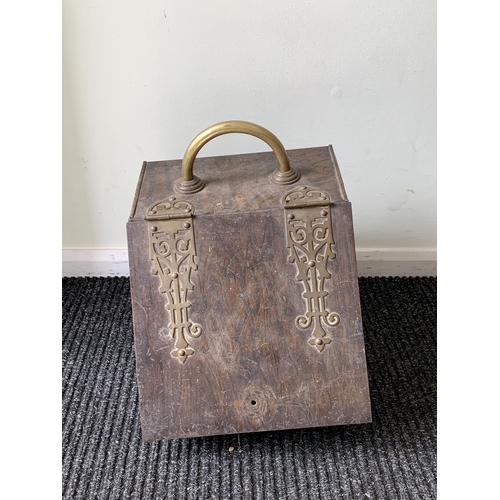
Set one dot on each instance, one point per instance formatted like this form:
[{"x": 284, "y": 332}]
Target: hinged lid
[{"x": 237, "y": 183}]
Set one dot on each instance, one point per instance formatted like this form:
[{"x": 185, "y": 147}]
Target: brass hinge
[
  {"x": 173, "y": 252},
  {"x": 310, "y": 240}
]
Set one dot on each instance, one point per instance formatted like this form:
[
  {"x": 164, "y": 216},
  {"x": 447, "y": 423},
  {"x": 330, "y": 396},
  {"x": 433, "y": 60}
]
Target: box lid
[{"x": 238, "y": 183}]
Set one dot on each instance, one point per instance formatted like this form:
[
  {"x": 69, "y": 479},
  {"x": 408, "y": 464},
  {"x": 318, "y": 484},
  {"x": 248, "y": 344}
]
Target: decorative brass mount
[
  {"x": 310, "y": 240},
  {"x": 173, "y": 252}
]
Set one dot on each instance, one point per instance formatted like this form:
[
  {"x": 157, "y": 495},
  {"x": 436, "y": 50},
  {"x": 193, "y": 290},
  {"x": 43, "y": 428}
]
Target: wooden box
[{"x": 244, "y": 292}]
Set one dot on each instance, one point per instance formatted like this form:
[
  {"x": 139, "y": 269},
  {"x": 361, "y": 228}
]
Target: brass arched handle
[{"x": 190, "y": 183}]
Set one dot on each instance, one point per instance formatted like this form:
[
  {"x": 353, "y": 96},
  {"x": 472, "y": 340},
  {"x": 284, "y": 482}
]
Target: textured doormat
[{"x": 394, "y": 457}]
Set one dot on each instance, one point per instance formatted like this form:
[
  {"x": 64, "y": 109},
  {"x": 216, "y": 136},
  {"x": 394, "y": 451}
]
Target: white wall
[{"x": 142, "y": 78}]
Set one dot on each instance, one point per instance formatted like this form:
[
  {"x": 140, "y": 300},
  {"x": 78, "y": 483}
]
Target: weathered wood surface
[{"x": 253, "y": 369}]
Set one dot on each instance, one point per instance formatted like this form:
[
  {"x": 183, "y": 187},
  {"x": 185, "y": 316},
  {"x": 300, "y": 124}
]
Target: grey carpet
[{"x": 392, "y": 458}]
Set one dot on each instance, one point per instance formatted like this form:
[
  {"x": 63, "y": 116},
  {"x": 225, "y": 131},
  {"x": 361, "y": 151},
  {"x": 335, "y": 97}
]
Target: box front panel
[{"x": 253, "y": 365}]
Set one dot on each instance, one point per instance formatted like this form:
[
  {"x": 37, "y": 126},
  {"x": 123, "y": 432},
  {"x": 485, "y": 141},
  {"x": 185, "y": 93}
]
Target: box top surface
[{"x": 238, "y": 183}]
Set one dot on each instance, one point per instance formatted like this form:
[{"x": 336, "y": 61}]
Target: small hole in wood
[{"x": 253, "y": 402}]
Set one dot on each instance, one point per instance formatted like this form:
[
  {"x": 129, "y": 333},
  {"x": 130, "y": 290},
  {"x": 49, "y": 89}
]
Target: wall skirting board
[{"x": 371, "y": 262}]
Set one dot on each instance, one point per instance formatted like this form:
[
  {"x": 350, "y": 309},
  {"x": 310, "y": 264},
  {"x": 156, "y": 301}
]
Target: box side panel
[
  {"x": 133, "y": 210},
  {"x": 144, "y": 300},
  {"x": 337, "y": 174}
]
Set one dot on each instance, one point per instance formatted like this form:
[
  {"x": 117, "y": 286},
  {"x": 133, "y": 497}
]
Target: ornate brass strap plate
[
  {"x": 310, "y": 240},
  {"x": 173, "y": 252}
]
